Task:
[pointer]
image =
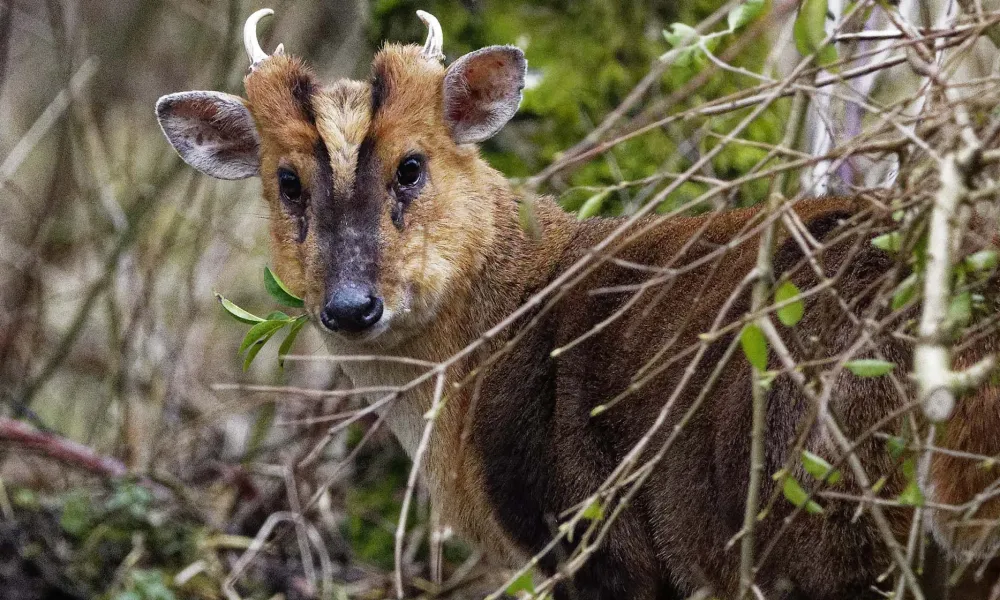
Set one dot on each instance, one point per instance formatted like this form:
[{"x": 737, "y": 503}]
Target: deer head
[{"x": 380, "y": 204}]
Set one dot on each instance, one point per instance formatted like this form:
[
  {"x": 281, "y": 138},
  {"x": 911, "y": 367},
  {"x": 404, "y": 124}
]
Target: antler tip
[
  {"x": 254, "y": 51},
  {"x": 435, "y": 38}
]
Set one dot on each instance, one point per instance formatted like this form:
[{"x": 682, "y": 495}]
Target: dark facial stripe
[
  {"x": 303, "y": 88},
  {"x": 347, "y": 221},
  {"x": 380, "y": 91}
]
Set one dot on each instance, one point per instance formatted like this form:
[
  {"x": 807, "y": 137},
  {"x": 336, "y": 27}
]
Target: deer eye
[
  {"x": 289, "y": 185},
  {"x": 409, "y": 171}
]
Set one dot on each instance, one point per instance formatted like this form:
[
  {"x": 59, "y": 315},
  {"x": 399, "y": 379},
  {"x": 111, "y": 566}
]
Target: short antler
[
  {"x": 254, "y": 51},
  {"x": 435, "y": 39}
]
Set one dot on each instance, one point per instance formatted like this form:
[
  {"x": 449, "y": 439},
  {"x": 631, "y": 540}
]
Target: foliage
[
  {"x": 263, "y": 329},
  {"x": 584, "y": 58}
]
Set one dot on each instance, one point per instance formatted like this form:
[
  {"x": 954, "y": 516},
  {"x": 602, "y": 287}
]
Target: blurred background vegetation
[{"x": 111, "y": 248}]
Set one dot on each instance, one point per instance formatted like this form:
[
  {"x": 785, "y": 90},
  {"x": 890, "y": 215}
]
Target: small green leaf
[
  {"x": 687, "y": 56},
  {"x": 878, "y": 485},
  {"x": 744, "y": 14},
  {"x": 256, "y": 348},
  {"x": 293, "y": 333},
  {"x": 792, "y": 313},
  {"x": 524, "y": 583},
  {"x": 960, "y": 309},
  {"x": 890, "y": 242},
  {"x": 869, "y": 367},
  {"x": 905, "y": 292},
  {"x": 593, "y": 205},
  {"x": 798, "y": 496},
  {"x": 984, "y": 260},
  {"x": 754, "y": 346},
  {"x": 236, "y": 312},
  {"x": 77, "y": 514},
  {"x": 897, "y": 446},
  {"x": 277, "y": 315},
  {"x": 816, "y": 466},
  {"x": 594, "y": 511},
  {"x": 810, "y": 32},
  {"x": 681, "y": 35},
  {"x": 912, "y": 496},
  {"x": 279, "y": 291},
  {"x": 258, "y": 331}
]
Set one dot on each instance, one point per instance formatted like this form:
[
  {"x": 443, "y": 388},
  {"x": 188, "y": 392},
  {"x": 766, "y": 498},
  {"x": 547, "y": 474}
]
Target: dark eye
[
  {"x": 408, "y": 172},
  {"x": 289, "y": 184}
]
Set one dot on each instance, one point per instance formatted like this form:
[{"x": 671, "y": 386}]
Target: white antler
[
  {"x": 435, "y": 39},
  {"x": 254, "y": 51}
]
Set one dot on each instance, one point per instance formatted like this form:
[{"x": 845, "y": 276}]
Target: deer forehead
[{"x": 343, "y": 115}]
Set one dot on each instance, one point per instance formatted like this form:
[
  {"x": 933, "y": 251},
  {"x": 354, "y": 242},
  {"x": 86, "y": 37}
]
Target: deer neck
[{"x": 515, "y": 262}]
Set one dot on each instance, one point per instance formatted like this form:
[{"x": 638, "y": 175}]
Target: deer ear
[
  {"x": 482, "y": 91},
  {"x": 212, "y": 131}
]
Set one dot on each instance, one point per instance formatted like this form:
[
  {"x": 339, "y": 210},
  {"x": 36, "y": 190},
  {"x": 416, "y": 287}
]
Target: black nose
[{"x": 351, "y": 308}]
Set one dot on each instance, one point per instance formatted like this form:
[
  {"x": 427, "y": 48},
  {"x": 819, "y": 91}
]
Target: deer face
[{"x": 379, "y": 202}]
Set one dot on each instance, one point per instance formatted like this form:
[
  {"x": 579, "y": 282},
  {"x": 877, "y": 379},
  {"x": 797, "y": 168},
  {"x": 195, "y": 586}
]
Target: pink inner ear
[{"x": 482, "y": 91}]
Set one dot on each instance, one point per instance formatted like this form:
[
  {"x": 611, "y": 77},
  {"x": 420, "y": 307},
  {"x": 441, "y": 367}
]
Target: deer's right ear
[{"x": 212, "y": 131}]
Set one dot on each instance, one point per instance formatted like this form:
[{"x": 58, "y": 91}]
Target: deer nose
[{"x": 351, "y": 308}]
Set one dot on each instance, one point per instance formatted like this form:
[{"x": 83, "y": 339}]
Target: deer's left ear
[{"x": 482, "y": 91}]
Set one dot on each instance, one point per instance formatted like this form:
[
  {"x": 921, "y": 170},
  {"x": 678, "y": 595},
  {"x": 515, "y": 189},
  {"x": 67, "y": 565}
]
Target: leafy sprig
[{"x": 264, "y": 328}]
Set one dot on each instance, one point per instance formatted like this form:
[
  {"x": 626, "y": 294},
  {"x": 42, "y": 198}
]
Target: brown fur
[{"x": 516, "y": 447}]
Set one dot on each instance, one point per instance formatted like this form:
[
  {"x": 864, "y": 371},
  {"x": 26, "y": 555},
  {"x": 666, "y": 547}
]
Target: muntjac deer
[{"x": 403, "y": 241}]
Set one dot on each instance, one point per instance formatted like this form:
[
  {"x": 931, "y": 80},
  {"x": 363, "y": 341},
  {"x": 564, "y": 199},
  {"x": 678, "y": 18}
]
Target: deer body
[{"x": 404, "y": 242}]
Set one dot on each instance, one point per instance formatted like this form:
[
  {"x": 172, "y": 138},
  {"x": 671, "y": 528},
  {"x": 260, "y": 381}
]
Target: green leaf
[
  {"x": 960, "y": 309},
  {"x": 77, "y": 514},
  {"x": 279, "y": 291},
  {"x": 912, "y": 496},
  {"x": 810, "y": 32},
  {"x": 293, "y": 333},
  {"x": 905, "y": 292},
  {"x": 260, "y": 330},
  {"x": 256, "y": 348},
  {"x": 816, "y": 466},
  {"x": 745, "y": 13},
  {"x": 798, "y": 496},
  {"x": 754, "y": 346},
  {"x": 687, "y": 56},
  {"x": 236, "y": 312},
  {"x": 524, "y": 583},
  {"x": 594, "y": 511},
  {"x": 897, "y": 446},
  {"x": 593, "y": 205},
  {"x": 984, "y": 260},
  {"x": 890, "y": 242},
  {"x": 681, "y": 35},
  {"x": 792, "y": 313},
  {"x": 869, "y": 367}
]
